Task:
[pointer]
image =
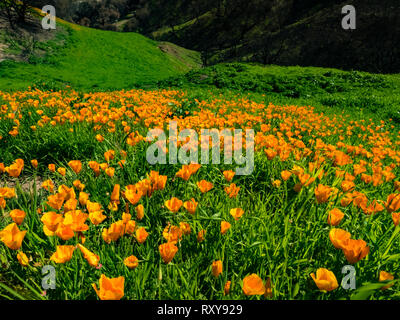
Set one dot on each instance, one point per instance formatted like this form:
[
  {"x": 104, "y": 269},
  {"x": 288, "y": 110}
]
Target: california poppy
[
  {"x": 216, "y": 268},
  {"x": 168, "y": 251},
  {"x": 325, "y": 279},
  {"x": 63, "y": 254},
  {"x": 174, "y": 204},
  {"x": 253, "y": 285},
  {"x": 110, "y": 288},
  {"x": 12, "y": 237}
]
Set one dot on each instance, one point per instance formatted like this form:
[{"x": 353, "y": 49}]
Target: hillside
[
  {"x": 283, "y": 32},
  {"x": 86, "y": 58}
]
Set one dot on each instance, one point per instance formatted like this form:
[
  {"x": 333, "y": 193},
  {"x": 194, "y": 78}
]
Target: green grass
[
  {"x": 92, "y": 59},
  {"x": 359, "y": 94}
]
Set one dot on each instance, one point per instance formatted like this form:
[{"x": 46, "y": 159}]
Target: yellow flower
[
  {"x": 325, "y": 280},
  {"x": 12, "y": 237},
  {"x": 236, "y": 213},
  {"x": 91, "y": 258},
  {"x": 384, "y": 276},
  {"x": 339, "y": 238},
  {"x": 22, "y": 259},
  {"x": 62, "y": 254},
  {"x": 97, "y": 217}
]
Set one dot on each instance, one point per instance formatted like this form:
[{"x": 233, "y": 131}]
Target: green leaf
[
  {"x": 13, "y": 292},
  {"x": 367, "y": 290}
]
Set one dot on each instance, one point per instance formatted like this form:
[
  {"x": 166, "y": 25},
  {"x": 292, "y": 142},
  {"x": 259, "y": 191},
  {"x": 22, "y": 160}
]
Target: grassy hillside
[
  {"x": 361, "y": 94},
  {"x": 86, "y": 58}
]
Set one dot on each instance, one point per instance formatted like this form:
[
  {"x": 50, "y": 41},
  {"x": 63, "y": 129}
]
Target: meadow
[
  {"x": 77, "y": 193},
  {"x": 324, "y": 194}
]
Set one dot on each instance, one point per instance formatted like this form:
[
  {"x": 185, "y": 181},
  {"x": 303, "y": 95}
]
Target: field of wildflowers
[{"x": 77, "y": 194}]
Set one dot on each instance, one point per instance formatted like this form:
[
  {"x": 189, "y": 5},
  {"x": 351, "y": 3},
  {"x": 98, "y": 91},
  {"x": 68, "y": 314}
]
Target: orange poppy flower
[
  {"x": 76, "y": 220},
  {"x": 185, "y": 227},
  {"x": 216, "y": 268},
  {"x": 184, "y": 173},
  {"x": 322, "y": 193},
  {"x": 55, "y": 201},
  {"x": 75, "y": 165},
  {"x": 355, "y": 250},
  {"x": 109, "y": 155},
  {"x": 325, "y": 279},
  {"x": 115, "y": 194},
  {"x": 17, "y": 216},
  {"x": 110, "y": 288},
  {"x": 139, "y": 212},
  {"x": 229, "y": 174},
  {"x": 64, "y": 232},
  {"x": 168, "y": 251},
  {"x": 285, "y": 175},
  {"x": 91, "y": 258},
  {"x": 131, "y": 262},
  {"x": 63, "y": 254},
  {"x": 12, "y": 237},
  {"x": 227, "y": 288},
  {"x": 384, "y": 276},
  {"x": 48, "y": 185},
  {"x": 34, "y": 163},
  {"x": 225, "y": 226},
  {"x": 110, "y": 172},
  {"x": 396, "y": 218},
  {"x": 51, "y": 220},
  {"x": 22, "y": 259},
  {"x": 172, "y": 233},
  {"x": 191, "y": 206},
  {"x": 335, "y": 216},
  {"x": 132, "y": 194},
  {"x": 97, "y": 217},
  {"x": 393, "y": 202},
  {"x": 339, "y": 237},
  {"x": 205, "y": 186},
  {"x": 174, "y": 204},
  {"x": 253, "y": 285},
  {"x": 201, "y": 235},
  {"x": 141, "y": 235},
  {"x": 232, "y": 191},
  {"x": 236, "y": 213}
]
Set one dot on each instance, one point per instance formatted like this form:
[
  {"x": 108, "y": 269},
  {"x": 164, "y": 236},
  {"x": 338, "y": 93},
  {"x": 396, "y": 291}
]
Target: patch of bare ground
[{"x": 26, "y": 183}]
